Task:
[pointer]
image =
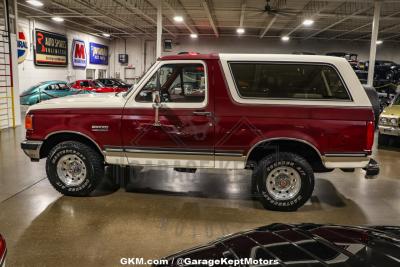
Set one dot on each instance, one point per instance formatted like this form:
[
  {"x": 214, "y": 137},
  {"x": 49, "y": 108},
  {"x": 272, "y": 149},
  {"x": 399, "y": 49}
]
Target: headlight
[
  {"x": 383, "y": 121},
  {"x": 394, "y": 122}
]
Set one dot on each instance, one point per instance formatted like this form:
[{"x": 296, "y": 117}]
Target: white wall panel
[{"x": 29, "y": 74}]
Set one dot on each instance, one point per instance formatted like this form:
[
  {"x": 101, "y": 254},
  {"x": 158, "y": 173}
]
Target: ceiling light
[
  {"x": 240, "y": 30},
  {"x": 194, "y": 35},
  {"x": 57, "y": 19},
  {"x": 378, "y": 42},
  {"x": 178, "y": 18},
  {"x": 308, "y": 22},
  {"x": 285, "y": 38},
  {"x": 106, "y": 34},
  {"x": 34, "y": 2}
]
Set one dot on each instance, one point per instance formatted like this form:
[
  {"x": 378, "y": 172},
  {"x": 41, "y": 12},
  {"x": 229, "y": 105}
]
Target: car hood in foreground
[
  {"x": 305, "y": 245},
  {"x": 393, "y": 110},
  {"x": 104, "y": 100}
]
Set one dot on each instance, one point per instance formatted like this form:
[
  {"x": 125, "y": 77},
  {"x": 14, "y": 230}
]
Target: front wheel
[
  {"x": 74, "y": 169},
  {"x": 284, "y": 181}
]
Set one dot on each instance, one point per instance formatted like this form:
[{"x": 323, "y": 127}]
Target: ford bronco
[{"x": 283, "y": 116}]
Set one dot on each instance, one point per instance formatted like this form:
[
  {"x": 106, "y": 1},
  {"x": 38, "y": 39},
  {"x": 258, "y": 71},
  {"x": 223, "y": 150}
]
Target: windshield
[
  {"x": 98, "y": 84},
  {"x": 142, "y": 78},
  {"x": 397, "y": 100},
  {"x": 34, "y": 86},
  {"x": 120, "y": 82}
]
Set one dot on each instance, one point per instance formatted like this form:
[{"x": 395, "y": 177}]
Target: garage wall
[
  {"x": 29, "y": 74},
  {"x": 135, "y": 48}
]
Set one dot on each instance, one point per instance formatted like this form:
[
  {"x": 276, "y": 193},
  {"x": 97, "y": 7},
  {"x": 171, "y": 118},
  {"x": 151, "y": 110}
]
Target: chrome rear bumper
[{"x": 32, "y": 149}]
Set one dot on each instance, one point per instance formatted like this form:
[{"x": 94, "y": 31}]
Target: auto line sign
[
  {"x": 78, "y": 54},
  {"x": 98, "y": 54},
  {"x": 51, "y": 49}
]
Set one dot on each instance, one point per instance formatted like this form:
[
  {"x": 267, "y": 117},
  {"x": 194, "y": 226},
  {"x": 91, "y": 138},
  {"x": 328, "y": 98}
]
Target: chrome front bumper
[
  {"x": 32, "y": 149},
  {"x": 389, "y": 130}
]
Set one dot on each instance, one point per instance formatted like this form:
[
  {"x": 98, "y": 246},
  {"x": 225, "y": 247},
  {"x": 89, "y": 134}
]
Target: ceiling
[{"x": 333, "y": 19}]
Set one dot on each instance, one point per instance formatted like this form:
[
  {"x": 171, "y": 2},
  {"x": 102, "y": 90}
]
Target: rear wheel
[
  {"x": 284, "y": 182},
  {"x": 74, "y": 169}
]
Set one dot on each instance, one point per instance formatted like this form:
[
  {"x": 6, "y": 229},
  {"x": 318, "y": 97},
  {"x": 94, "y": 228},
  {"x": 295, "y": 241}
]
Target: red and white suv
[{"x": 284, "y": 116}]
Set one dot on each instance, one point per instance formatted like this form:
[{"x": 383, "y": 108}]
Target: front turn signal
[{"x": 29, "y": 122}]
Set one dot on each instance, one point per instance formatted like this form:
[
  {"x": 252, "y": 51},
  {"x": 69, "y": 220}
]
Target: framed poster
[
  {"x": 78, "y": 54},
  {"x": 98, "y": 54},
  {"x": 51, "y": 49}
]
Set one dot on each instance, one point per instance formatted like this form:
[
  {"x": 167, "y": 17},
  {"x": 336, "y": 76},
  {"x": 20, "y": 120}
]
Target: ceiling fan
[{"x": 275, "y": 11}]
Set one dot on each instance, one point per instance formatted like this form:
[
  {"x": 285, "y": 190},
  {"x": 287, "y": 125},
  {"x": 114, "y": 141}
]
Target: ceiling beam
[
  {"x": 45, "y": 18},
  {"x": 269, "y": 26},
  {"x": 365, "y": 25},
  {"x": 92, "y": 19},
  {"x": 98, "y": 10},
  {"x": 210, "y": 17},
  {"x": 242, "y": 13},
  {"x": 141, "y": 14},
  {"x": 183, "y": 13},
  {"x": 338, "y": 22}
]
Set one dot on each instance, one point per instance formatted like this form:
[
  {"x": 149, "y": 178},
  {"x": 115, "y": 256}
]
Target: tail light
[
  {"x": 29, "y": 122},
  {"x": 2, "y": 249},
  {"x": 370, "y": 135}
]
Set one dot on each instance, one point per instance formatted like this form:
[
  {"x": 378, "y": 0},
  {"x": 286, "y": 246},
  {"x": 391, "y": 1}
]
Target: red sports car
[{"x": 95, "y": 86}]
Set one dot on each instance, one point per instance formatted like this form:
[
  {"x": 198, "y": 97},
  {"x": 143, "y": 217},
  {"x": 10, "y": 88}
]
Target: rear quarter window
[{"x": 288, "y": 81}]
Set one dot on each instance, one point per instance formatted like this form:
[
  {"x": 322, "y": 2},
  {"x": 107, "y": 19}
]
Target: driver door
[{"x": 184, "y": 136}]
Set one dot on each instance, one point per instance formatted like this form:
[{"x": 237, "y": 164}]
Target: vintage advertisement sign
[
  {"x": 98, "y": 54},
  {"x": 78, "y": 54},
  {"x": 22, "y": 46},
  {"x": 51, "y": 49}
]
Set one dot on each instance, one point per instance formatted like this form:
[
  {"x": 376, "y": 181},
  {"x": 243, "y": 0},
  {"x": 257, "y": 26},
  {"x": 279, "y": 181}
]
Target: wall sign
[
  {"x": 98, "y": 54},
  {"x": 123, "y": 58},
  {"x": 51, "y": 49},
  {"x": 22, "y": 46},
  {"x": 78, "y": 53}
]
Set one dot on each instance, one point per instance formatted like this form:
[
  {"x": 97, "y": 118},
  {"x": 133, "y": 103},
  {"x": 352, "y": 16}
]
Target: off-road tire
[
  {"x": 92, "y": 160},
  {"x": 270, "y": 163}
]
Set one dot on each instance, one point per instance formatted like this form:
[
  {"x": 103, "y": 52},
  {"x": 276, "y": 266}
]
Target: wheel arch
[
  {"x": 298, "y": 146},
  {"x": 57, "y": 137}
]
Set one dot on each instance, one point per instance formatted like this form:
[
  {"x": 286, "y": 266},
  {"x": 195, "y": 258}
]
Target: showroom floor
[{"x": 165, "y": 211}]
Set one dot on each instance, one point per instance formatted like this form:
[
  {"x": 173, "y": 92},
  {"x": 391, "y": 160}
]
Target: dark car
[
  {"x": 351, "y": 58},
  {"x": 299, "y": 245},
  {"x": 386, "y": 74},
  {"x": 3, "y": 251},
  {"x": 115, "y": 83}
]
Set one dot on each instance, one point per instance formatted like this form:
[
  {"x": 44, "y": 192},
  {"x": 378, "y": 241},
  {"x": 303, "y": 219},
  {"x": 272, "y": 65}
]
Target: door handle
[{"x": 202, "y": 113}]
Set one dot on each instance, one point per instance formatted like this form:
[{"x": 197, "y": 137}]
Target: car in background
[
  {"x": 389, "y": 122},
  {"x": 350, "y": 57},
  {"x": 386, "y": 74},
  {"x": 3, "y": 251},
  {"x": 95, "y": 86},
  {"x": 112, "y": 82},
  {"x": 47, "y": 90},
  {"x": 298, "y": 245}
]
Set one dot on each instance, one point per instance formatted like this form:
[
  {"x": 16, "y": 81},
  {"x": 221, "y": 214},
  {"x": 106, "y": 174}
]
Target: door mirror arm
[{"x": 156, "y": 105}]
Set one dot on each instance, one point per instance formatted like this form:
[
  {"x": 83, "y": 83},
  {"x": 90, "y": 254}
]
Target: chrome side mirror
[{"x": 156, "y": 105}]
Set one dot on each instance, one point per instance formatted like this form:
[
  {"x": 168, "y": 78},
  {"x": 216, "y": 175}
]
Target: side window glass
[
  {"x": 177, "y": 83},
  {"x": 288, "y": 81}
]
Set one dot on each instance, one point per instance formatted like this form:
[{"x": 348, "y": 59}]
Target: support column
[
  {"x": 159, "y": 29},
  {"x": 374, "y": 37}
]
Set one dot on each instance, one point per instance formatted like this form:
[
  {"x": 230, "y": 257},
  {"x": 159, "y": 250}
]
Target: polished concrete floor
[{"x": 165, "y": 211}]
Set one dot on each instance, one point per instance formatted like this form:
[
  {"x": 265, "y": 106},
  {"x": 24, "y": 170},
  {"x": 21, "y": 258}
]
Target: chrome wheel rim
[
  {"x": 283, "y": 183},
  {"x": 71, "y": 170}
]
